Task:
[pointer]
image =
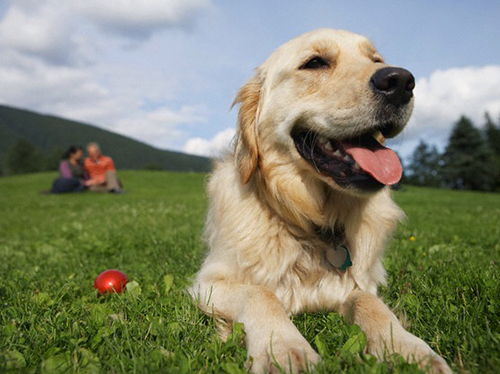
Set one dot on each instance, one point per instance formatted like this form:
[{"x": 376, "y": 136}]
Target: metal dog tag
[{"x": 340, "y": 257}]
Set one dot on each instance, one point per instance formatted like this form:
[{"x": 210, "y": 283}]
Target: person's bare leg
[
  {"x": 385, "y": 334},
  {"x": 112, "y": 182},
  {"x": 98, "y": 188}
]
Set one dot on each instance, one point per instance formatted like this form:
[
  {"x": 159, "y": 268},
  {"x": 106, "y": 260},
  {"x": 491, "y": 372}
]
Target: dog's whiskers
[{"x": 315, "y": 136}]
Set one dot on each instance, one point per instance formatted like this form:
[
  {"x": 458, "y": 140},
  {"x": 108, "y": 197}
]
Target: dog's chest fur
[{"x": 251, "y": 244}]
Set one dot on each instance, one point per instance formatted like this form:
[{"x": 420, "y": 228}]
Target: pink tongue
[{"x": 380, "y": 162}]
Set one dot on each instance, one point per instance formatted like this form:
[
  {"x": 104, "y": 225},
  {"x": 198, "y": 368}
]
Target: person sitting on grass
[
  {"x": 101, "y": 171},
  {"x": 72, "y": 176}
]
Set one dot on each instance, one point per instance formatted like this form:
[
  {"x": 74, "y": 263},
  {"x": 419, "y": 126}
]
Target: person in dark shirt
[{"x": 72, "y": 177}]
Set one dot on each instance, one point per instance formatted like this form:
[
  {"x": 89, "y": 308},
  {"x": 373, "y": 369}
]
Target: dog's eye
[{"x": 315, "y": 63}]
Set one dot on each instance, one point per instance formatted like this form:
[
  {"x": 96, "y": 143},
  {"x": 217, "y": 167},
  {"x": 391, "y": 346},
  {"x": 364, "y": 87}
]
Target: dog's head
[{"x": 325, "y": 102}]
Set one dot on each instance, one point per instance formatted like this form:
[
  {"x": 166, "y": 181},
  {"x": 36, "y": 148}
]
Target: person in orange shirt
[{"x": 101, "y": 171}]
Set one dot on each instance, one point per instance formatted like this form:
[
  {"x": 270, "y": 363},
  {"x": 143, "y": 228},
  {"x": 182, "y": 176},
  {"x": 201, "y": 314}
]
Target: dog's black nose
[{"x": 395, "y": 84}]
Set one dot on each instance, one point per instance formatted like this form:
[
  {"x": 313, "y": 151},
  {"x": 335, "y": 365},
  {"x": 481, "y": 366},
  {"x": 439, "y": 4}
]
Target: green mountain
[{"x": 52, "y": 134}]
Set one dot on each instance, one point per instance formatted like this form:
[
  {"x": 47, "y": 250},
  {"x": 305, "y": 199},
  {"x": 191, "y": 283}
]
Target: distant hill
[{"x": 50, "y": 133}]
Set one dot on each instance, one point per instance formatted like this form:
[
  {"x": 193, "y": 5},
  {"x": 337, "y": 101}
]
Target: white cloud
[
  {"x": 447, "y": 94},
  {"x": 214, "y": 147},
  {"x": 443, "y": 97},
  {"x": 44, "y": 53},
  {"x": 134, "y": 19},
  {"x": 42, "y": 29},
  {"x": 161, "y": 126},
  {"x": 58, "y": 32},
  {"x": 77, "y": 93},
  {"x": 37, "y": 85}
]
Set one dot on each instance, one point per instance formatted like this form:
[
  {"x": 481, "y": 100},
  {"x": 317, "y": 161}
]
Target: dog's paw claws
[
  {"x": 437, "y": 365},
  {"x": 430, "y": 361},
  {"x": 290, "y": 357}
]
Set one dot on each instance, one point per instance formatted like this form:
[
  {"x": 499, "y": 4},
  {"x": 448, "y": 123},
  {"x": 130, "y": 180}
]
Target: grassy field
[{"x": 443, "y": 267}]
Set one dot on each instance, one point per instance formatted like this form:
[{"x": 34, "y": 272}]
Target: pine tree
[
  {"x": 51, "y": 160},
  {"x": 468, "y": 161},
  {"x": 425, "y": 166},
  {"x": 23, "y": 157},
  {"x": 492, "y": 134}
]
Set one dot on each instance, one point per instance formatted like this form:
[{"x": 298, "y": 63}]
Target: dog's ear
[{"x": 247, "y": 152}]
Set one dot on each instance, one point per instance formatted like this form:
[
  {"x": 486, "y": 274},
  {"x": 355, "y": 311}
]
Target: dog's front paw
[
  {"x": 438, "y": 365},
  {"x": 430, "y": 362},
  {"x": 292, "y": 356},
  {"x": 414, "y": 350}
]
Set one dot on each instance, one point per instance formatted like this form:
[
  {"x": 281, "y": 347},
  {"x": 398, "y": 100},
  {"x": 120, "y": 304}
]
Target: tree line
[
  {"x": 24, "y": 157},
  {"x": 470, "y": 160}
]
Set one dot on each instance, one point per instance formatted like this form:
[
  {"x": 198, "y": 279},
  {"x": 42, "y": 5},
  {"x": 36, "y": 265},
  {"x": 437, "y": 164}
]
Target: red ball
[{"x": 110, "y": 281}]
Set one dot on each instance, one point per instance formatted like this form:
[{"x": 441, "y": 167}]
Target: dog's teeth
[
  {"x": 379, "y": 137},
  {"x": 347, "y": 158},
  {"x": 329, "y": 146},
  {"x": 323, "y": 140},
  {"x": 356, "y": 167},
  {"x": 337, "y": 153}
]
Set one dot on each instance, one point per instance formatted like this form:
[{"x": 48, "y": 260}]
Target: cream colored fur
[{"x": 266, "y": 260}]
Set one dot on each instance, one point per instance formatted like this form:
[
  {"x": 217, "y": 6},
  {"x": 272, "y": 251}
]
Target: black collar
[
  {"x": 336, "y": 239},
  {"x": 332, "y": 236}
]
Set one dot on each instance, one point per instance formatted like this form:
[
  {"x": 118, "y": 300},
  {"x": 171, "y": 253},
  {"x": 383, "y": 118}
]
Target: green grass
[{"x": 445, "y": 282}]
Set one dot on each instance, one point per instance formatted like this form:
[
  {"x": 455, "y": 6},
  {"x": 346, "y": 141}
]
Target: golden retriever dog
[{"x": 300, "y": 213}]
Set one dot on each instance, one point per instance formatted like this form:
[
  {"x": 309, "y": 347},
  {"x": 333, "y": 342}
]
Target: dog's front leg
[
  {"x": 271, "y": 337},
  {"x": 385, "y": 334}
]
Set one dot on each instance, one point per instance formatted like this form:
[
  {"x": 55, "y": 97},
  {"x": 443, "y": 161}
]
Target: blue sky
[{"x": 166, "y": 71}]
